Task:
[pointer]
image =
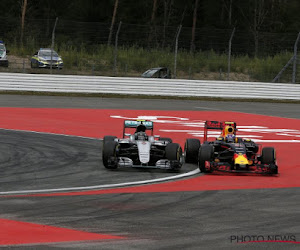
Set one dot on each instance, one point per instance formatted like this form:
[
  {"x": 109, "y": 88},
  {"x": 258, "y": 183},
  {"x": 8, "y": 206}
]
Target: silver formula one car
[{"x": 140, "y": 149}]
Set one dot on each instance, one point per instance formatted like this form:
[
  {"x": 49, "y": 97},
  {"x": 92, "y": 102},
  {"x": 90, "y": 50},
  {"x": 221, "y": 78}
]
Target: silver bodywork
[
  {"x": 144, "y": 148},
  {"x": 141, "y": 149}
]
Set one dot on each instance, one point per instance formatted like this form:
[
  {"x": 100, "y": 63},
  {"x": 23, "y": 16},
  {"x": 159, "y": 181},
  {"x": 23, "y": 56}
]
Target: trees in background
[
  {"x": 279, "y": 15},
  {"x": 113, "y": 21},
  {"x": 251, "y": 16},
  {"x": 194, "y": 26},
  {"x": 24, "y": 7}
]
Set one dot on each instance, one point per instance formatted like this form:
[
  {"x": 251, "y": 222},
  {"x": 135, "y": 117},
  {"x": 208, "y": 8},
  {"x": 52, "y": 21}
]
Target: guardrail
[{"x": 148, "y": 86}]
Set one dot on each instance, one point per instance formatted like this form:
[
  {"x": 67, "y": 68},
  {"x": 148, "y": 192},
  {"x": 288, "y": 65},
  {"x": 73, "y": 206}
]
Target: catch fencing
[
  {"x": 147, "y": 86},
  {"x": 220, "y": 54}
]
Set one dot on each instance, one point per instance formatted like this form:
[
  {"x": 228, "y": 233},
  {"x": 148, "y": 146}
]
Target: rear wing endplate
[{"x": 216, "y": 125}]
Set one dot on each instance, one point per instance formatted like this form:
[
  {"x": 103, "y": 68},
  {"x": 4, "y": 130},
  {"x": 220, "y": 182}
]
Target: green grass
[{"x": 133, "y": 61}]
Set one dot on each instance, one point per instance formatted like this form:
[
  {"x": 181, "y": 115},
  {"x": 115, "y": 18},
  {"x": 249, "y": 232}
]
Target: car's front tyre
[
  {"x": 174, "y": 155},
  {"x": 268, "y": 155},
  {"x": 173, "y": 152},
  {"x": 109, "y": 155},
  {"x": 206, "y": 153},
  {"x": 108, "y": 138}
]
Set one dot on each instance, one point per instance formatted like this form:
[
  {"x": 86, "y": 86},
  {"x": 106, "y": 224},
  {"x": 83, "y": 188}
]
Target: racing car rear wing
[
  {"x": 135, "y": 124},
  {"x": 216, "y": 125}
]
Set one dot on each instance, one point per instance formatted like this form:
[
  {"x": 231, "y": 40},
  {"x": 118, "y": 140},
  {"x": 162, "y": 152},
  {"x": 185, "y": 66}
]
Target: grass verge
[{"x": 133, "y": 61}]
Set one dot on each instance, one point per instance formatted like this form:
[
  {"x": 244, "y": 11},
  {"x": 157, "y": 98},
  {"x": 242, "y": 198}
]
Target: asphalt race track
[{"x": 52, "y": 193}]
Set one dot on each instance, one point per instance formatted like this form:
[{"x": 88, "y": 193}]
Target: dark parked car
[{"x": 160, "y": 72}]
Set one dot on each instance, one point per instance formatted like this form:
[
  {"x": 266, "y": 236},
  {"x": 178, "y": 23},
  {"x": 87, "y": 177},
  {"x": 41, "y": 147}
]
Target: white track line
[
  {"x": 196, "y": 171},
  {"x": 69, "y": 189},
  {"x": 49, "y": 133}
]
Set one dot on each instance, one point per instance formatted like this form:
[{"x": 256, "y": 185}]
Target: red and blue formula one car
[{"x": 229, "y": 153}]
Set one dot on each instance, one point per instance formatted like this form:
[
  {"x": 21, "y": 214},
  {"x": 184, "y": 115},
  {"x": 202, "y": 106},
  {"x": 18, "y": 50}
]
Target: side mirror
[{"x": 7, "y": 51}]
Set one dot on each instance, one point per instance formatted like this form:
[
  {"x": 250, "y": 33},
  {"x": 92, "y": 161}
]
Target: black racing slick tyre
[
  {"x": 108, "y": 138},
  {"x": 173, "y": 152},
  {"x": 206, "y": 153},
  {"x": 191, "y": 149},
  {"x": 108, "y": 152},
  {"x": 166, "y": 139},
  {"x": 268, "y": 155},
  {"x": 174, "y": 155}
]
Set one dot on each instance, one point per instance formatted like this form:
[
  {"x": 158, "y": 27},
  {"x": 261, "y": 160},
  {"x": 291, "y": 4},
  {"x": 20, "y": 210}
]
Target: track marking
[
  {"x": 124, "y": 184},
  {"x": 49, "y": 133},
  {"x": 206, "y": 108}
]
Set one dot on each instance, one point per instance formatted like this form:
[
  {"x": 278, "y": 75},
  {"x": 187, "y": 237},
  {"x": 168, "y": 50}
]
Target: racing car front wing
[
  {"x": 255, "y": 169},
  {"x": 160, "y": 164}
]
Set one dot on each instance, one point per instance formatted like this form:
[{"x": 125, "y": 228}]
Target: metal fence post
[
  {"x": 295, "y": 59},
  {"x": 23, "y": 65},
  {"x": 176, "y": 50},
  {"x": 283, "y": 69},
  {"x": 229, "y": 53},
  {"x": 116, "y": 49},
  {"x": 52, "y": 44}
]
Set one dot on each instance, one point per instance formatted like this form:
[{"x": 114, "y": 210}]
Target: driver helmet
[
  {"x": 229, "y": 129},
  {"x": 141, "y": 128},
  {"x": 141, "y": 136}
]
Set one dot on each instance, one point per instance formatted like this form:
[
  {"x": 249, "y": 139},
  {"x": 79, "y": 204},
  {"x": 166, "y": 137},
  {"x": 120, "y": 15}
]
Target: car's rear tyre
[
  {"x": 191, "y": 149},
  {"x": 108, "y": 138},
  {"x": 166, "y": 139},
  {"x": 109, "y": 151},
  {"x": 206, "y": 153},
  {"x": 268, "y": 155}
]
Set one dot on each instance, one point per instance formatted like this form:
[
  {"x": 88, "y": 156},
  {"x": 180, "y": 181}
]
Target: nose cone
[
  {"x": 240, "y": 159},
  {"x": 144, "y": 148}
]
